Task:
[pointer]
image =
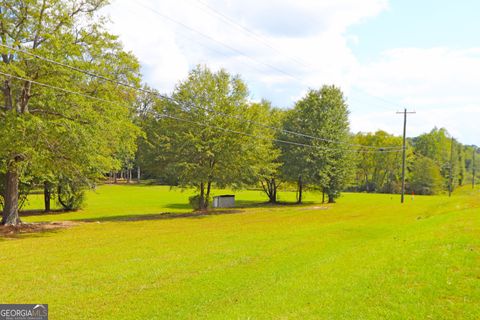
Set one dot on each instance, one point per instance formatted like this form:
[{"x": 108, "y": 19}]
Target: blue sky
[
  {"x": 385, "y": 55},
  {"x": 419, "y": 24}
]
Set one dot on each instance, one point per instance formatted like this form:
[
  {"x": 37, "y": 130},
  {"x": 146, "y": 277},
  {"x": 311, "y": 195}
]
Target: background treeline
[
  {"x": 435, "y": 162},
  {"x": 74, "y": 113},
  {"x": 208, "y": 134}
]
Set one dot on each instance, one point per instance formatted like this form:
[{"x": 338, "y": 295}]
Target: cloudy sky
[{"x": 385, "y": 55}]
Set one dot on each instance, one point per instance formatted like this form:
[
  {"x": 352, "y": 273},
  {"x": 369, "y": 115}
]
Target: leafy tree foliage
[
  {"x": 269, "y": 170},
  {"x": 71, "y": 194},
  {"x": 328, "y": 163},
  {"x": 425, "y": 177},
  {"x": 47, "y": 132},
  {"x": 204, "y": 135},
  {"x": 378, "y": 171},
  {"x": 437, "y": 146}
]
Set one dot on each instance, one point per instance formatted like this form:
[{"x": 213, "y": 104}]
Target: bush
[
  {"x": 71, "y": 195},
  {"x": 196, "y": 202},
  {"x": 425, "y": 177}
]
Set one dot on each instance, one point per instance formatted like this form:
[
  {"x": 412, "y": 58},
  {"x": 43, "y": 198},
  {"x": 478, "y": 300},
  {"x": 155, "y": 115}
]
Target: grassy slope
[
  {"x": 366, "y": 257},
  {"x": 111, "y": 202}
]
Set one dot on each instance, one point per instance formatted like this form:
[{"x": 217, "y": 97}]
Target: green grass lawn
[{"x": 366, "y": 257}]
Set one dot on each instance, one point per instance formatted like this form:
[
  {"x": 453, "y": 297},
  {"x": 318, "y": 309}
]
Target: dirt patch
[{"x": 25, "y": 228}]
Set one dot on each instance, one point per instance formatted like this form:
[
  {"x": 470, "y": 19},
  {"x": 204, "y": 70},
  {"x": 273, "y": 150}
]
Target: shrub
[
  {"x": 425, "y": 177},
  {"x": 196, "y": 202},
  {"x": 70, "y": 194}
]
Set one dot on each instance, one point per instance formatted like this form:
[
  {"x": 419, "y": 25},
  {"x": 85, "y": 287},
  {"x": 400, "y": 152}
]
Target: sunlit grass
[{"x": 366, "y": 257}]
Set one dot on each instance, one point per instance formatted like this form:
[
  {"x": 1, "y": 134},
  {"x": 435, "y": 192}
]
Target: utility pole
[
  {"x": 474, "y": 171},
  {"x": 450, "y": 183},
  {"x": 404, "y": 157}
]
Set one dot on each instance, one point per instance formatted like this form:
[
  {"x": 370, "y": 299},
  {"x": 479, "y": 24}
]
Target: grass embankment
[{"x": 367, "y": 257}]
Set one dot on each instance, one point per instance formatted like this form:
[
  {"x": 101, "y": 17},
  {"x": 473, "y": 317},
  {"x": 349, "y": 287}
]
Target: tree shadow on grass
[
  {"x": 39, "y": 229},
  {"x": 30, "y": 213},
  {"x": 280, "y": 204},
  {"x": 178, "y": 206},
  {"x": 162, "y": 216},
  {"x": 33, "y": 230},
  {"x": 239, "y": 208}
]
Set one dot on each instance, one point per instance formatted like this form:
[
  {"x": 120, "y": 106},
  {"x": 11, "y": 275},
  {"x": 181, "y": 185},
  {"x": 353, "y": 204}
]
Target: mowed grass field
[{"x": 366, "y": 257}]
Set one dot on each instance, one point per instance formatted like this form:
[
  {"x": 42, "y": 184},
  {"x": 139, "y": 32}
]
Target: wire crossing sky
[
  {"x": 431, "y": 64},
  {"x": 179, "y": 104}
]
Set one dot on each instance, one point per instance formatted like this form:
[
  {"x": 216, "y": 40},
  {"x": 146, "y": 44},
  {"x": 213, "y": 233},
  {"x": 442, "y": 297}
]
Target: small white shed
[{"x": 224, "y": 201}]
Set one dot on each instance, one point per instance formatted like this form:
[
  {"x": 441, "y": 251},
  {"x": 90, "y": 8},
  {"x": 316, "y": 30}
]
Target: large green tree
[
  {"x": 380, "y": 169},
  {"x": 425, "y": 177},
  {"x": 327, "y": 163},
  {"x": 447, "y": 153},
  {"x": 206, "y": 134},
  {"x": 46, "y": 131}
]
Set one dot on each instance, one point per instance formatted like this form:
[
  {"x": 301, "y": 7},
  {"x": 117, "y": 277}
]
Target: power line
[
  {"x": 260, "y": 137},
  {"x": 180, "y": 119},
  {"x": 125, "y": 84},
  {"x": 266, "y": 43},
  {"x": 218, "y": 41},
  {"x": 253, "y": 34},
  {"x": 55, "y": 88},
  {"x": 180, "y": 105}
]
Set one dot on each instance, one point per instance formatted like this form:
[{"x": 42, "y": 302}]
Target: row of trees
[
  {"x": 206, "y": 134},
  {"x": 52, "y": 138},
  {"x": 435, "y": 163}
]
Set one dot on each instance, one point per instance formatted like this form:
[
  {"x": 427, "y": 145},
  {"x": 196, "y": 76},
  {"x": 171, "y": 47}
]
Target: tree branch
[{"x": 58, "y": 114}]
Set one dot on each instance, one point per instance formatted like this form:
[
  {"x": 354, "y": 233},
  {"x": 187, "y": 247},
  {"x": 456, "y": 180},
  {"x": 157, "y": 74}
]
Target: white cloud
[
  {"x": 424, "y": 75},
  {"x": 167, "y": 49},
  {"x": 441, "y": 84},
  {"x": 312, "y": 48}
]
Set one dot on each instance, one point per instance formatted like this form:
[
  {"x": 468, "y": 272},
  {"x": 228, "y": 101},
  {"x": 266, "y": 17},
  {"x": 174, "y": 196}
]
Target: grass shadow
[
  {"x": 256, "y": 204},
  {"x": 178, "y": 206},
  {"x": 239, "y": 208},
  {"x": 162, "y": 216},
  {"x": 33, "y": 230},
  {"x": 38, "y": 212}
]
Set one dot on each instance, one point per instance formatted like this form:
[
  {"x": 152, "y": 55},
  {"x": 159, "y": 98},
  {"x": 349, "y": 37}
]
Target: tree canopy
[
  {"x": 49, "y": 132},
  {"x": 205, "y": 134},
  {"x": 327, "y": 164}
]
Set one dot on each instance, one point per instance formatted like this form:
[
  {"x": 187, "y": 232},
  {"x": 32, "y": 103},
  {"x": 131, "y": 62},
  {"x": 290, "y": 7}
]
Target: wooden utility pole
[
  {"x": 404, "y": 157},
  {"x": 474, "y": 168},
  {"x": 450, "y": 182}
]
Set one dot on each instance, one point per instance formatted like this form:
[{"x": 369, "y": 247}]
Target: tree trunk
[
  {"x": 323, "y": 196},
  {"x": 47, "y": 195},
  {"x": 300, "y": 190},
  {"x": 115, "y": 174},
  {"x": 138, "y": 174},
  {"x": 207, "y": 196},
  {"x": 269, "y": 186},
  {"x": 7, "y": 96},
  {"x": 331, "y": 199},
  {"x": 273, "y": 198},
  {"x": 129, "y": 175},
  {"x": 10, "y": 210},
  {"x": 201, "y": 205}
]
